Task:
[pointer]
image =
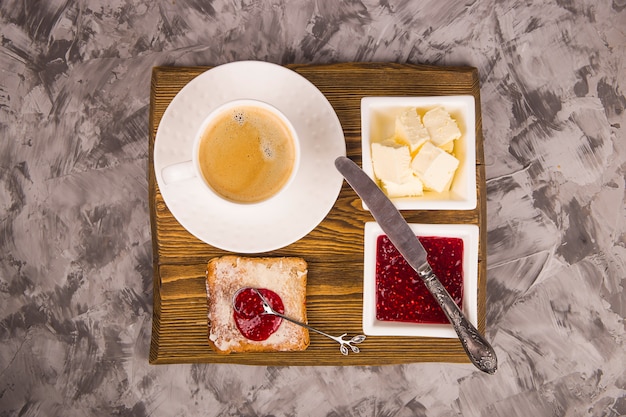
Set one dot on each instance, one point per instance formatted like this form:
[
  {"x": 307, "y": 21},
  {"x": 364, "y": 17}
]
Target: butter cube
[
  {"x": 442, "y": 128},
  {"x": 435, "y": 167},
  {"x": 391, "y": 162},
  {"x": 410, "y": 130},
  {"x": 411, "y": 188}
]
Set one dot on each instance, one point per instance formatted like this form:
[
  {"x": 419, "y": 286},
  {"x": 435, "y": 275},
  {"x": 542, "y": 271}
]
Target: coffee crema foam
[{"x": 247, "y": 154}]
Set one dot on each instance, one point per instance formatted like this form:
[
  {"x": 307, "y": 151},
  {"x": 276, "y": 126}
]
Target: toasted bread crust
[{"x": 286, "y": 276}]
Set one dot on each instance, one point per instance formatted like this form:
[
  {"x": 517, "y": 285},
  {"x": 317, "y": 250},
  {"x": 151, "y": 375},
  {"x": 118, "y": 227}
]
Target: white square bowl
[
  {"x": 372, "y": 327},
  {"x": 378, "y": 116}
]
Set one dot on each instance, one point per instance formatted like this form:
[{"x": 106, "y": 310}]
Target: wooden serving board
[{"x": 333, "y": 250}]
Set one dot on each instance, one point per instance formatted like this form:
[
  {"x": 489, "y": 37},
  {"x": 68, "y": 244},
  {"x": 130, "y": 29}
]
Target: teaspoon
[{"x": 344, "y": 344}]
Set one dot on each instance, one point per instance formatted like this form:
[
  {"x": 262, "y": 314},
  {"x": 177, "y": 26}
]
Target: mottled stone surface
[{"x": 75, "y": 251}]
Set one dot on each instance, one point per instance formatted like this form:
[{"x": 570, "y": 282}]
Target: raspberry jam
[
  {"x": 249, "y": 317},
  {"x": 400, "y": 293}
]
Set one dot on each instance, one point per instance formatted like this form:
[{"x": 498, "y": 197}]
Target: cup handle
[{"x": 178, "y": 172}]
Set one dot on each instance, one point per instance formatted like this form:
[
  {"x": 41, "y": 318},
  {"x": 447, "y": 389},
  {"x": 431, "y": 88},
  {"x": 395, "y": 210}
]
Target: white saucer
[{"x": 290, "y": 216}]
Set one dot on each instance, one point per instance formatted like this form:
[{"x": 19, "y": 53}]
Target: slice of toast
[{"x": 285, "y": 276}]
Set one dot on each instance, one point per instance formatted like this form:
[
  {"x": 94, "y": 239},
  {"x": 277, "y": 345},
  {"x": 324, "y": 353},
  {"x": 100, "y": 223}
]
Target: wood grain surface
[{"x": 333, "y": 250}]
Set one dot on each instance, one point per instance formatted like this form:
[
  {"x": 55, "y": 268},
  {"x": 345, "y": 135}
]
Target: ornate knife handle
[{"x": 476, "y": 346}]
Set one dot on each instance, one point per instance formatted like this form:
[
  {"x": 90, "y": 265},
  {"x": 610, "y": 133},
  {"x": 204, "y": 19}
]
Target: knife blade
[{"x": 479, "y": 351}]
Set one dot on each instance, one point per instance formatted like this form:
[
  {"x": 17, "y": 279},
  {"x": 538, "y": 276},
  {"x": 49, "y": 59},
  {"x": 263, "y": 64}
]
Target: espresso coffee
[{"x": 247, "y": 154}]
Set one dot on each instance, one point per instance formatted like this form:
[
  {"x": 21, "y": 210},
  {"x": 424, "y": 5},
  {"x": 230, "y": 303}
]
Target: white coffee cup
[{"x": 225, "y": 156}]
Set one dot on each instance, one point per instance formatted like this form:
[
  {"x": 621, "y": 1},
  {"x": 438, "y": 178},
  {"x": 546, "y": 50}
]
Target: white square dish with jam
[{"x": 396, "y": 301}]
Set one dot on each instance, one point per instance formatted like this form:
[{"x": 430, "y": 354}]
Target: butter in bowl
[{"x": 421, "y": 150}]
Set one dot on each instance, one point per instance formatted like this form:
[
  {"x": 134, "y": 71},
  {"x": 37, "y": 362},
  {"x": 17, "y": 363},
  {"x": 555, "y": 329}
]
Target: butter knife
[{"x": 400, "y": 234}]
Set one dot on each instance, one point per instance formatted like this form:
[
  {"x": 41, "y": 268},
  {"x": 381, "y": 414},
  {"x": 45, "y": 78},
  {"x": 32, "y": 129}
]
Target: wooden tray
[{"x": 333, "y": 250}]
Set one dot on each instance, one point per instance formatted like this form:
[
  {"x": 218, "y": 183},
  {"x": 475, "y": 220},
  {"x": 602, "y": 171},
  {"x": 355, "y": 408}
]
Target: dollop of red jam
[
  {"x": 400, "y": 293},
  {"x": 249, "y": 317}
]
